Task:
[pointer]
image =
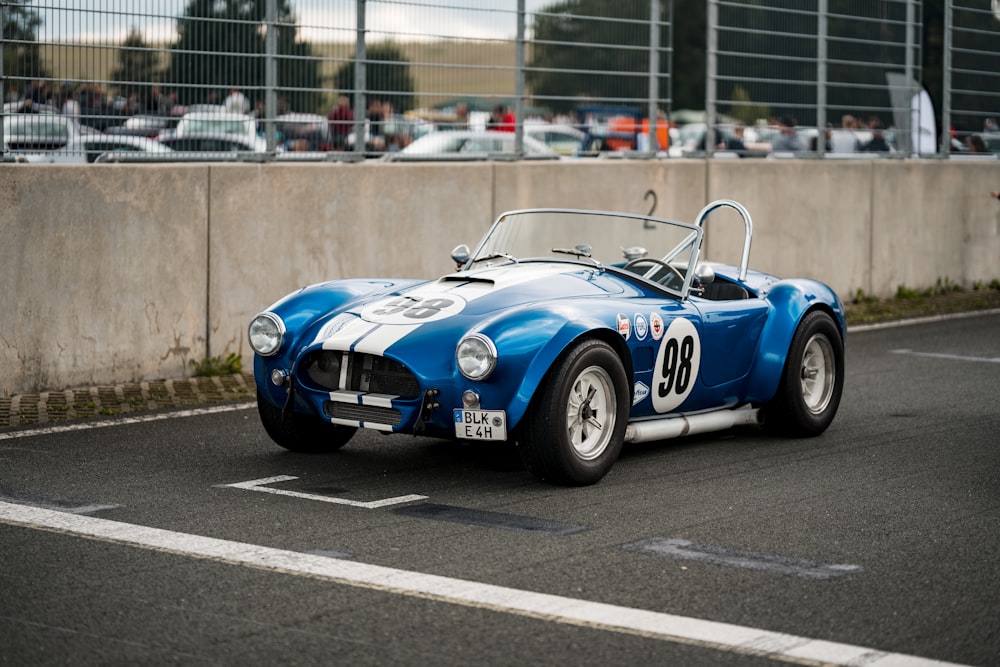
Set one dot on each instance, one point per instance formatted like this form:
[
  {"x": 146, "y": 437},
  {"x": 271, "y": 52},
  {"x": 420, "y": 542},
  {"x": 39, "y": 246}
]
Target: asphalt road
[{"x": 189, "y": 538}]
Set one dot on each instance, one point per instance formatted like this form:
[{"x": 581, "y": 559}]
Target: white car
[
  {"x": 208, "y": 122},
  {"x": 563, "y": 139},
  {"x": 87, "y": 148},
  {"x": 470, "y": 144},
  {"x": 36, "y": 132}
]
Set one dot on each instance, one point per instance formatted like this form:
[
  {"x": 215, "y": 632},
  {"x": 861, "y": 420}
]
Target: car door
[{"x": 731, "y": 330}]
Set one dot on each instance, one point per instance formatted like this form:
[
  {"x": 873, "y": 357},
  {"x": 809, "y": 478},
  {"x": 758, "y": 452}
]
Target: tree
[
  {"x": 138, "y": 65},
  {"x": 387, "y": 76},
  {"x": 22, "y": 59},
  {"x": 221, "y": 45},
  {"x": 689, "y": 54},
  {"x": 576, "y": 59}
]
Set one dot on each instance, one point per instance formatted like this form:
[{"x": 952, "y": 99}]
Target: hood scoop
[{"x": 463, "y": 278}]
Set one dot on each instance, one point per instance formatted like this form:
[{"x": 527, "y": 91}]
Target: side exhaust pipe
[{"x": 676, "y": 427}]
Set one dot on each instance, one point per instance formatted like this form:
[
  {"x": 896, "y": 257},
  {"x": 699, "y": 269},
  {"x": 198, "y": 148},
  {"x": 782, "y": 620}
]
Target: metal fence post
[
  {"x": 821, "y": 76},
  {"x": 912, "y": 83},
  {"x": 654, "y": 70},
  {"x": 946, "y": 79},
  {"x": 360, "y": 106},
  {"x": 270, "y": 73},
  {"x": 3, "y": 76},
  {"x": 711, "y": 68},
  {"x": 519, "y": 82}
]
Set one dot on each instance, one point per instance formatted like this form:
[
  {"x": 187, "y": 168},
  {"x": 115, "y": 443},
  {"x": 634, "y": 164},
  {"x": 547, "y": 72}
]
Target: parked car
[
  {"x": 89, "y": 148},
  {"x": 210, "y": 143},
  {"x": 563, "y": 139},
  {"x": 567, "y": 332},
  {"x": 470, "y": 144},
  {"x": 144, "y": 126},
  {"x": 216, "y": 122},
  {"x": 34, "y": 132}
]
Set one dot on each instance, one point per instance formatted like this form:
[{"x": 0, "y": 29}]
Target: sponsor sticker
[
  {"x": 641, "y": 329},
  {"x": 641, "y": 392},
  {"x": 656, "y": 326},
  {"x": 624, "y": 326}
]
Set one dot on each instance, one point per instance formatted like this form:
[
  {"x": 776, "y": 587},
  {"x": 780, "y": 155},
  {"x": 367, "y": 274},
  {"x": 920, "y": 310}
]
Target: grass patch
[
  {"x": 943, "y": 298},
  {"x": 231, "y": 364}
]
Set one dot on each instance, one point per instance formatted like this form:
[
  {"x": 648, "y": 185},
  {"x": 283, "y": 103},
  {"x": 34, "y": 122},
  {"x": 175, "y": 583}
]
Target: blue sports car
[{"x": 567, "y": 332}]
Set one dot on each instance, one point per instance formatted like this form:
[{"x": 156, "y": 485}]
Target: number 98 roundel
[
  {"x": 413, "y": 308},
  {"x": 677, "y": 364}
]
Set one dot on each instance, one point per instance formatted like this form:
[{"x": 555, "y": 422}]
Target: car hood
[{"x": 446, "y": 308}]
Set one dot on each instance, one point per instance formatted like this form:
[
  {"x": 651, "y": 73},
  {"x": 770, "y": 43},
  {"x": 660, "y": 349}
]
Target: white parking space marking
[
  {"x": 951, "y": 357},
  {"x": 104, "y": 423},
  {"x": 261, "y": 485},
  {"x": 552, "y": 608},
  {"x": 751, "y": 560}
]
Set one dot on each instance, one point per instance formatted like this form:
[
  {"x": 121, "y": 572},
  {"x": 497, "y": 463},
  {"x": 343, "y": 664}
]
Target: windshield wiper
[
  {"x": 579, "y": 251},
  {"x": 495, "y": 255}
]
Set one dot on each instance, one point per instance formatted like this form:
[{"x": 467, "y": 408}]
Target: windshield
[{"x": 656, "y": 249}]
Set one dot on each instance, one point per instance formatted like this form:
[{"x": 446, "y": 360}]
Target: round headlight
[
  {"x": 266, "y": 332},
  {"x": 476, "y": 356}
]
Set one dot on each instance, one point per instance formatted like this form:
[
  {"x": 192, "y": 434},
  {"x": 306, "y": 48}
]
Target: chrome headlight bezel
[
  {"x": 476, "y": 357},
  {"x": 266, "y": 333}
]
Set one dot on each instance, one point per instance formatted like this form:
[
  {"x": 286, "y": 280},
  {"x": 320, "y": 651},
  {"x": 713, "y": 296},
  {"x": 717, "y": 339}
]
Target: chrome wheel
[
  {"x": 811, "y": 381},
  {"x": 575, "y": 428},
  {"x": 590, "y": 412},
  {"x": 818, "y": 374}
]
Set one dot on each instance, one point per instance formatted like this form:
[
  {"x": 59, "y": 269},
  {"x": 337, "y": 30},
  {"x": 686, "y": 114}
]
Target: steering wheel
[{"x": 666, "y": 275}]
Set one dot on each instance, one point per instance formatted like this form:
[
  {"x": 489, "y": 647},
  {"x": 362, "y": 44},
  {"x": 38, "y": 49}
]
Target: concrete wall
[{"x": 116, "y": 273}]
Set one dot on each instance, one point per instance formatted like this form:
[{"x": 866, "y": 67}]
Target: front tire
[
  {"x": 812, "y": 381},
  {"x": 301, "y": 433},
  {"x": 575, "y": 427}
]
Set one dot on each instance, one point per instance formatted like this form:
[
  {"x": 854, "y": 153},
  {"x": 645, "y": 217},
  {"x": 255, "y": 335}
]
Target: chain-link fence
[{"x": 87, "y": 80}]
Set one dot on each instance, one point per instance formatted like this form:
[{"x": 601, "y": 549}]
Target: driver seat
[{"x": 723, "y": 290}]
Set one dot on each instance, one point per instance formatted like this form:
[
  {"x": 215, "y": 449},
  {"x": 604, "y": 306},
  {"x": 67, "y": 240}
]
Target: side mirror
[
  {"x": 460, "y": 255},
  {"x": 704, "y": 275}
]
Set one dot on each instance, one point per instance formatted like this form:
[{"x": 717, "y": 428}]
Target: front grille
[
  {"x": 372, "y": 414},
  {"x": 367, "y": 373}
]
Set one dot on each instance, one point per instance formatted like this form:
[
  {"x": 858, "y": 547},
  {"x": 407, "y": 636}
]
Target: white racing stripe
[
  {"x": 344, "y": 337},
  {"x": 553, "y": 608}
]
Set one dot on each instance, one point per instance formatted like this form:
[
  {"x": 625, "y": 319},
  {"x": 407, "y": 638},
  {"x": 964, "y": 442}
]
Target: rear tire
[
  {"x": 300, "y": 433},
  {"x": 812, "y": 381},
  {"x": 575, "y": 427}
]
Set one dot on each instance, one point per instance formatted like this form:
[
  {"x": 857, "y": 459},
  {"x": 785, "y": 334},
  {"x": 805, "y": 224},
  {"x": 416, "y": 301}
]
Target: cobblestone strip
[{"x": 86, "y": 402}]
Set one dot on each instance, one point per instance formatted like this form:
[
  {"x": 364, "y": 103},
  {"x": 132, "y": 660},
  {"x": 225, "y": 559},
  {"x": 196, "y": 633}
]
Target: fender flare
[
  {"x": 790, "y": 301},
  {"x": 559, "y": 334}
]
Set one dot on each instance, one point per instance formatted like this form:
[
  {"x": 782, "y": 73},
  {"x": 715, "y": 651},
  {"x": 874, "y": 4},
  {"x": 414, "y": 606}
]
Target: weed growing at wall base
[{"x": 218, "y": 366}]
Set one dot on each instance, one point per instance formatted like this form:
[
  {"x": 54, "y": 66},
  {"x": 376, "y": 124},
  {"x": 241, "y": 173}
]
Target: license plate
[{"x": 480, "y": 424}]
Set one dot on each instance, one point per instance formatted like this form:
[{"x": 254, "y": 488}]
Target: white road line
[
  {"x": 858, "y": 328},
  {"x": 553, "y": 608},
  {"x": 260, "y": 485},
  {"x": 104, "y": 423},
  {"x": 950, "y": 357}
]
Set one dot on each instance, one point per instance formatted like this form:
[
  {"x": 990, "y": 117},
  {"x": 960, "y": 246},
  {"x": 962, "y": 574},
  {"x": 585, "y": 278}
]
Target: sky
[{"x": 109, "y": 21}]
